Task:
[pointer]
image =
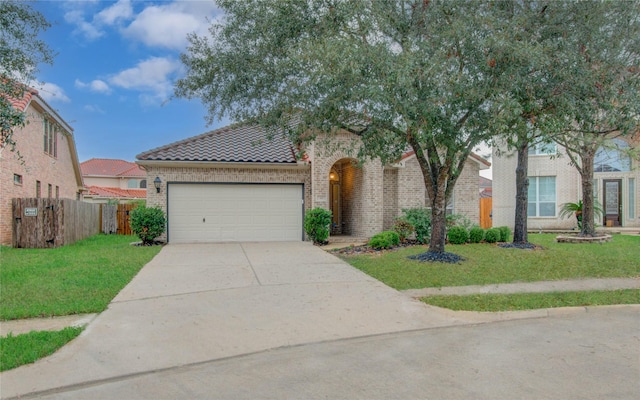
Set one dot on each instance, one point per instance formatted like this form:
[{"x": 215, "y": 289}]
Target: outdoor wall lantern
[{"x": 156, "y": 183}]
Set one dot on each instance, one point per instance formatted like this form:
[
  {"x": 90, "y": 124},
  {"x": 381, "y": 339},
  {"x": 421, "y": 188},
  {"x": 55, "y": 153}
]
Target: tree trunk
[
  {"x": 588, "y": 211},
  {"x": 522, "y": 191},
  {"x": 438, "y": 224}
]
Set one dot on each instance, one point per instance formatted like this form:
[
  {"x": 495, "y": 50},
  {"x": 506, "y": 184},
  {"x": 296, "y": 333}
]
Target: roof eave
[{"x": 220, "y": 164}]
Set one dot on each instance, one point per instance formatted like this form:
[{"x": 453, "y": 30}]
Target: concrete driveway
[{"x": 201, "y": 302}]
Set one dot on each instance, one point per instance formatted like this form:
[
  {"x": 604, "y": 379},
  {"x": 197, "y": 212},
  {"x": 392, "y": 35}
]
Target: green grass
[
  {"x": 29, "y": 347},
  {"x": 528, "y": 301},
  {"x": 490, "y": 264},
  {"x": 80, "y": 278}
]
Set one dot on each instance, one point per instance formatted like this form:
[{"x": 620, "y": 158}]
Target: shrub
[
  {"x": 504, "y": 233},
  {"x": 492, "y": 235},
  {"x": 384, "y": 240},
  {"x": 403, "y": 228},
  {"x": 476, "y": 234},
  {"x": 420, "y": 219},
  {"x": 459, "y": 220},
  {"x": 316, "y": 224},
  {"x": 147, "y": 223},
  {"x": 458, "y": 235}
]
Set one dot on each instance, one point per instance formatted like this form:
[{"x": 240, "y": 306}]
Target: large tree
[
  {"x": 599, "y": 61},
  {"x": 21, "y": 51},
  {"x": 414, "y": 73}
]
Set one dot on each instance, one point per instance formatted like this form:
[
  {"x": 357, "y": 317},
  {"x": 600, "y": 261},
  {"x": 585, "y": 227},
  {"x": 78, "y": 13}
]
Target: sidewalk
[
  {"x": 17, "y": 327},
  {"x": 575, "y": 285}
]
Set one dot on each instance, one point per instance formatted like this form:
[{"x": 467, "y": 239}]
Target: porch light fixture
[
  {"x": 156, "y": 183},
  {"x": 332, "y": 176}
]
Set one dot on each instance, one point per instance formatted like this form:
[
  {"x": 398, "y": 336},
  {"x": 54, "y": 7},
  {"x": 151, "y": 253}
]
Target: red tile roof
[
  {"x": 111, "y": 167},
  {"x": 117, "y": 192},
  {"x": 21, "y": 103}
]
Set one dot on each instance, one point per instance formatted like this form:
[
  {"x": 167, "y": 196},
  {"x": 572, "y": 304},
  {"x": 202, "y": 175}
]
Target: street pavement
[{"x": 265, "y": 320}]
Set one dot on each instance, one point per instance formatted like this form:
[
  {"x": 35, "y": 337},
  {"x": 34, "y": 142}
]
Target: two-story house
[
  {"x": 553, "y": 182},
  {"x": 44, "y": 162}
]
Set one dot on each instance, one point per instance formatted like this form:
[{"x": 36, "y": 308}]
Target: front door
[
  {"x": 612, "y": 202},
  {"x": 335, "y": 208}
]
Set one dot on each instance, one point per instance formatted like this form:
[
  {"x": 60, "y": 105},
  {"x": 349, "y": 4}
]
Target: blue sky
[{"x": 112, "y": 79}]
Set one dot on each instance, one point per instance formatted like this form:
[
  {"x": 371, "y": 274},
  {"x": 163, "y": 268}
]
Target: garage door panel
[{"x": 242, "y": 212}]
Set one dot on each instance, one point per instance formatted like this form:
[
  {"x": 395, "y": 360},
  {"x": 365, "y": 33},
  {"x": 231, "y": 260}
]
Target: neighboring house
[
  {"x": 233, "y": 184},
  {"x": 113, "y": 180},
  {"x": 485, "y": 187},
  {"x": 44, "y": 163},
  {"x": 553, "y": 182}
]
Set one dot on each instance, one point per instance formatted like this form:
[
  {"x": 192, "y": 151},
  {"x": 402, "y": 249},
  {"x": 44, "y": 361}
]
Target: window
[
  {"x": 38, "y": 189},
  {"x": 57, "y": 192},
  {"x": 17, "y": 179},
  {"x": 542, "y": 149},
  {"x": 143, "y": 184},
  {"x": 50, "y": 138},
  {"x": 632, "y": 198},
  {"x": 50, "y": 191},
  {"x": 132, "y": 184},
  {"x": 612, "y": 158},
  {"x": 542, "y": 196}
]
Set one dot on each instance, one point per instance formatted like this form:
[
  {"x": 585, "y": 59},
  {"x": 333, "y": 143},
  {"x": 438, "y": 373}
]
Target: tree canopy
[
  {"x": 418, "y": 74},
  {"x": 21, "y": 51}
]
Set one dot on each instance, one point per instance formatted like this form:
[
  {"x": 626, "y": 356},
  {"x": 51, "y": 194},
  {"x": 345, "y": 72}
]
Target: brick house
[
  {"x": 111, "y": 179},
  {"x": 553, "y": 182},
  {"x": 44, "y": 163},
  {"x": 234, "y": 184}
]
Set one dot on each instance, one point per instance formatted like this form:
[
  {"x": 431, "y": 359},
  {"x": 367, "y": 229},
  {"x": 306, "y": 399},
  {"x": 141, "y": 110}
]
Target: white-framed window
[
  {"x": 541, "y": 149},
  {"x": 50, "y": 138},
  {"x": 143, "y": 184},
  {"x": 132, "y": 184},
  {"x": 612, "y": 159},
  {"x": 17, "y": 179},
  {"x": 632, "y": 198},
  {"x": 542, "y": 196}
]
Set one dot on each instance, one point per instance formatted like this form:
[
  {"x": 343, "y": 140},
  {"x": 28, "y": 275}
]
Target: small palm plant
[{"x": 569, "y": 209}]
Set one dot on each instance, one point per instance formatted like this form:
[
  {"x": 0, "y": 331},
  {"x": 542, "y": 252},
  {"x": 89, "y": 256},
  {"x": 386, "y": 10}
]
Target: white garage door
[{"x": 236, "y": 212}]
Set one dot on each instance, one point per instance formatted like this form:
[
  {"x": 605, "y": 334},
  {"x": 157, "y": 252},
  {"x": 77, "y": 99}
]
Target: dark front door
[{"x": 612, "y": 202}]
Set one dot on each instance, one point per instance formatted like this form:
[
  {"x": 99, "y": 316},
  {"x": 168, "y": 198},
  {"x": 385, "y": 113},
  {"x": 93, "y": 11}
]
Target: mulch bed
[{"x": 365, "y": 249}]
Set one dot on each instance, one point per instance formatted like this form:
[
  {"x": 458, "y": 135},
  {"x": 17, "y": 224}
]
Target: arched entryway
[{"x": 345, "y": 181}]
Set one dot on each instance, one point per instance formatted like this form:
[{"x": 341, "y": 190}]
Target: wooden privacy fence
[
  {"x": 486, "y": 205},
  {"x": 115, "y": 218},
  {"x": 43, "y": 223}
]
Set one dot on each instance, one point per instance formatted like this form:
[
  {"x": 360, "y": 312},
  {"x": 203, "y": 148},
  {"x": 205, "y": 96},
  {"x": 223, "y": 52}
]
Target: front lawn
[
  {"x": 29, "y": 347},
  {"x": 80, "y": 278},
  {"x": 489, "y": 264}
]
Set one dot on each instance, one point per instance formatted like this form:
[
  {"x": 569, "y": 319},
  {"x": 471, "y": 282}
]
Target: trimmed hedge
[
  {"x": 476, "y": 234},
  {"x": 384, "y": 240},
  {"x": 492, "y": 235},
  {"x": 458, "y": 235}
]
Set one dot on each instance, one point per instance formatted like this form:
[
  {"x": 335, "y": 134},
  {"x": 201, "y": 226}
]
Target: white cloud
[
  {"x": 167, "y": 25},
  {"x": 51, "y": 92},
  {"x": 89, "y": 31},
  {"x": 96, "y": 85},
  {"x": 94, "y": 109},
  {"x": 152, "y": 76},
  {"x": 121, "y": 10}
]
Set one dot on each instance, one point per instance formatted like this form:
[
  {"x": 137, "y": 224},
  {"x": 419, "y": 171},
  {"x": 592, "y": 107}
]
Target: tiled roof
[
  {"x": 111, "y": 167},
  {"x": 236, "y": 143},
  {"x": 22, "y": 103},
  {"x": 117, "y": 192}
]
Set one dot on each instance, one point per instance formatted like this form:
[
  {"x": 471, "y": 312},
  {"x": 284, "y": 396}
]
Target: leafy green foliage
[
  {"x": 424, "y": 75},
  {"x": 147, "y": 223},
  {"x": 458, "y": 235},
  {"x": 420, "y": 219},
  {"x": 476, "y": 234},
  {"x": 459, "y": 220},
  {"x": 317, "y": 223},
  {"x": 385, "y": 240},
  {"x": 79, "y": 278},
  {"x": 403, "y": 228},
  {"x": 27, "y": 348},
  {"x": 568, "y": 210},
  {"x": 21, "y": 52},
  {"x": 504, "y": 233},
  {"x": 492, "y": 235}
]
